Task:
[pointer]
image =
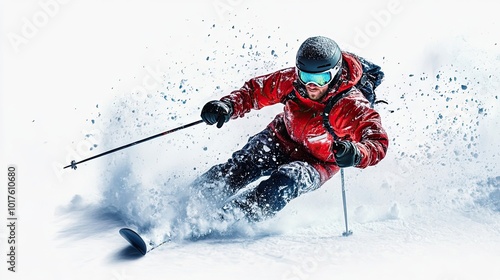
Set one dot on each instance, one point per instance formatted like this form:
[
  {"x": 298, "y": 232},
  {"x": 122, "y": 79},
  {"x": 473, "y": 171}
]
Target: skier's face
[{"x": 315, "y": 92}]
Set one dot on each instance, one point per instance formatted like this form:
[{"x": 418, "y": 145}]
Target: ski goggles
[{"x": 320, "y": 79}]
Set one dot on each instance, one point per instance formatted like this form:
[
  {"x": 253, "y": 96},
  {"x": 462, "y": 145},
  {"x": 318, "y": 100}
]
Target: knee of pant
[{"x": 306, "y": 177}]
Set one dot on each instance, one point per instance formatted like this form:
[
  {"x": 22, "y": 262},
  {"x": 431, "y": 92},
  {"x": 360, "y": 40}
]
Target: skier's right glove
[{"x": 217, "y": 112}]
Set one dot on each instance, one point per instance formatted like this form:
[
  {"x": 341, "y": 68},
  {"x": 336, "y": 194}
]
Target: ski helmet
[{"x": 318, "y": 54}]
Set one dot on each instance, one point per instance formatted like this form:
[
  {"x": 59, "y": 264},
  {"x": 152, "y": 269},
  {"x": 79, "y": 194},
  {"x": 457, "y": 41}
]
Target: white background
[{"x": 80, "y": 77}]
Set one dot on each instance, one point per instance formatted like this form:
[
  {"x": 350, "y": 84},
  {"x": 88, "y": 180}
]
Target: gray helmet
[{"x": 318, "y": 54}]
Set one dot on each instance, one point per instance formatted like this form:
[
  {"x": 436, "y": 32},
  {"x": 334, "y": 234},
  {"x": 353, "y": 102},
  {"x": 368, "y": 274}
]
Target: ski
[{"x": 136, "y": 241}]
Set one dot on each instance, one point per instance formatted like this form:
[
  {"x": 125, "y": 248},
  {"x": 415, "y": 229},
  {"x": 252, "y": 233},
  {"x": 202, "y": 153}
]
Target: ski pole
[
  {"x": 73, "y": 163},
  {"x": 347, "y": 231}
]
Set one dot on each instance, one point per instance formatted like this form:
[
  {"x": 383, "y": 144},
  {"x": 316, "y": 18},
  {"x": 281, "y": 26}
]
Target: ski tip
[{"x": 134, "y": 239}]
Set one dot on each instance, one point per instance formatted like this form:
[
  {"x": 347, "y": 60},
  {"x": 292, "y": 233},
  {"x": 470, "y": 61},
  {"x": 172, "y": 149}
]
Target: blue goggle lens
[{"x": 319, "y": 79}]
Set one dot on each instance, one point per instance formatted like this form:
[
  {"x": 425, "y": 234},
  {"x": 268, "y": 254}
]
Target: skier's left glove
[
  {"x": 346, "y": 153},
  {"x": 217, "y": 112}
]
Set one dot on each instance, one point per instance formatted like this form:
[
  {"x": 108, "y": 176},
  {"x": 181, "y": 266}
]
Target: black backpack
[{"x": 370, "y": 80}]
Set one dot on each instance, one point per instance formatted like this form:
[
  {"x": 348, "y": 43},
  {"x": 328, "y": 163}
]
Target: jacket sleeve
[
  {"x": 356, "y": 121},
  {"x": 261, "y": 91}
]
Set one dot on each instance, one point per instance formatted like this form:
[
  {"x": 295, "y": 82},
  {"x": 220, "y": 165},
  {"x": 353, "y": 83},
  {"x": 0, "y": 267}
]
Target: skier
[{"x": 297, "y": 150}]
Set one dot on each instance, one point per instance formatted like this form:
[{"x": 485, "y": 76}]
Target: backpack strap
[
  {"x": 328, "y": 108},
  {"x": 292, "y": 95}
]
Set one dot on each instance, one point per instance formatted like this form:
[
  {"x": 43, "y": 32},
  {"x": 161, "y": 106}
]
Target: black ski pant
[{"x": 260, "y": 157}]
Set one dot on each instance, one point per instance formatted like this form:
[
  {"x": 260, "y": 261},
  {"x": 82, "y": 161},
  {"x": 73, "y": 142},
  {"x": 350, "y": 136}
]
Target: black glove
[
  {"x": 346, "y": 153},
  {"x": 216, "y": 112}
]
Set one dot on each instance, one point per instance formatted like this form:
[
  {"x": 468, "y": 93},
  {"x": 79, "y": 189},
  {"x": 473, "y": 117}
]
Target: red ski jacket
[{"x": 300, "y": 127}]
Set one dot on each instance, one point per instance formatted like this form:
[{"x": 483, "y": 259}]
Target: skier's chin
[{"x": 315, "y": 93}]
